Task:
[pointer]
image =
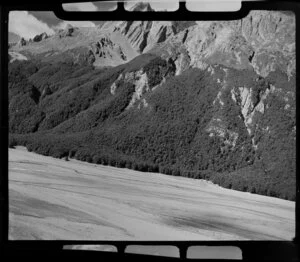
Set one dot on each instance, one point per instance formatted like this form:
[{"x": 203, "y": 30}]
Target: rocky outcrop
[
  {"x": 67, "y": 32},
  {"x": 40, "y": 37},
  {"x": 90, "y": 57},
  {"x": 146, "y": 79},
  {"x": 178, "y": 26},
  {"x": 22, "y": 42},
  {"x": 272, "y": 35},
  {"x": 140, "y": 81},
  {"x": 102, "y": 47},
  {"x": 244, "y": 98},
  {"x": 107, "y": 51},
  {"x": 144, "y": 35},
  {"x": 182, "y": 61},
  {"x": 141, "y": 7}
]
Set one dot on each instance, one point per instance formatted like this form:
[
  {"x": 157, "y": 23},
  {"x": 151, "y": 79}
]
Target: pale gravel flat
[{"x": 56, "y": 199}]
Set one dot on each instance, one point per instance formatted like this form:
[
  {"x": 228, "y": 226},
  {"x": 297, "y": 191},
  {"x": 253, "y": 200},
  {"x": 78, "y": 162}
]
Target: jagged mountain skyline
[
  {"x": 251, "y": 41},
  {"x": 27, "y": 24}
]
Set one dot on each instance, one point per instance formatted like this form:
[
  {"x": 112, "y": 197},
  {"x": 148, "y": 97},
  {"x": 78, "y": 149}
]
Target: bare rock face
[
  {"x": 145, "y": 80},
  {"x": 102, "y": 45},
  {"x": 272, "y": 36},
  {"x": 178, "y": 26},
  {"x": 182, "y": 62},
  {"x": 137, "y": 33},
  {"x": 144, "y": 35},
  {"x": 264, "y": 41},
  {"x": 142, "y": 7},
  {"x": 90, "y": 57},
  {"x": 106, "y": 51}
]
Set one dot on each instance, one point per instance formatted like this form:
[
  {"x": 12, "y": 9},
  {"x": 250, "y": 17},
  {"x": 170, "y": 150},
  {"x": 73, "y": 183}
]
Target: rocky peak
[
  {"x": 263, "y": 41},
  {"x": 178, "y": 26},
  {"x": 40, "y": 37},
  {"x": 67, "y": 32},
  {"x": 22, "y": 42},
  {"x": 142, "y": 7},
  {"x": 148, "y": 78}
]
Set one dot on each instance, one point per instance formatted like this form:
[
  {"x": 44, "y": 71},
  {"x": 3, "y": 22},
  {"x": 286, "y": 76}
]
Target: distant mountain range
[{"x": 213, "y": 99}]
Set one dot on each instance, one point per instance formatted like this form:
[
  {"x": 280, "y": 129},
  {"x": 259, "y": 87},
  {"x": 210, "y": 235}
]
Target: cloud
[
  {"x": 213, "y": 5},
  {"x": 47, "y": 17},
  {"x": 106, "y": 6},
  {"x": 91, "y": 6},
  {"x": 88, "y": 6},
  {"x": 169, "y": 5},
  {"x": 26, "y": 25},
  {"x": 112, "y": 7},
  {"x": 157, "y": 5},
  {"x": 63, "y": 24}
]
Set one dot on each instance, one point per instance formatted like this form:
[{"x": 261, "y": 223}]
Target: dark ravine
[{"x": 225, "y": 113}]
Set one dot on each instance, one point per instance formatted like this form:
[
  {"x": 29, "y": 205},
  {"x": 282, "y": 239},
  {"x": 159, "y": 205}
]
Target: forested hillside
[
  {"x": 228, "y": 119},
  {"x": 176, "y": 129}
]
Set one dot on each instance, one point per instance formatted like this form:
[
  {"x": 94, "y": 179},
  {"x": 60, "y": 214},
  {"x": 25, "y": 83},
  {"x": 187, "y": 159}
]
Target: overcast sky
[{"x": 28, "y": 24}]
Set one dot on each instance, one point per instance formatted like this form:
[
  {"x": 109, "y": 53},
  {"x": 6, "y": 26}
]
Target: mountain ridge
[
  {"x": 263, "y": 40},
  {"x": 212, "y": 100}
]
